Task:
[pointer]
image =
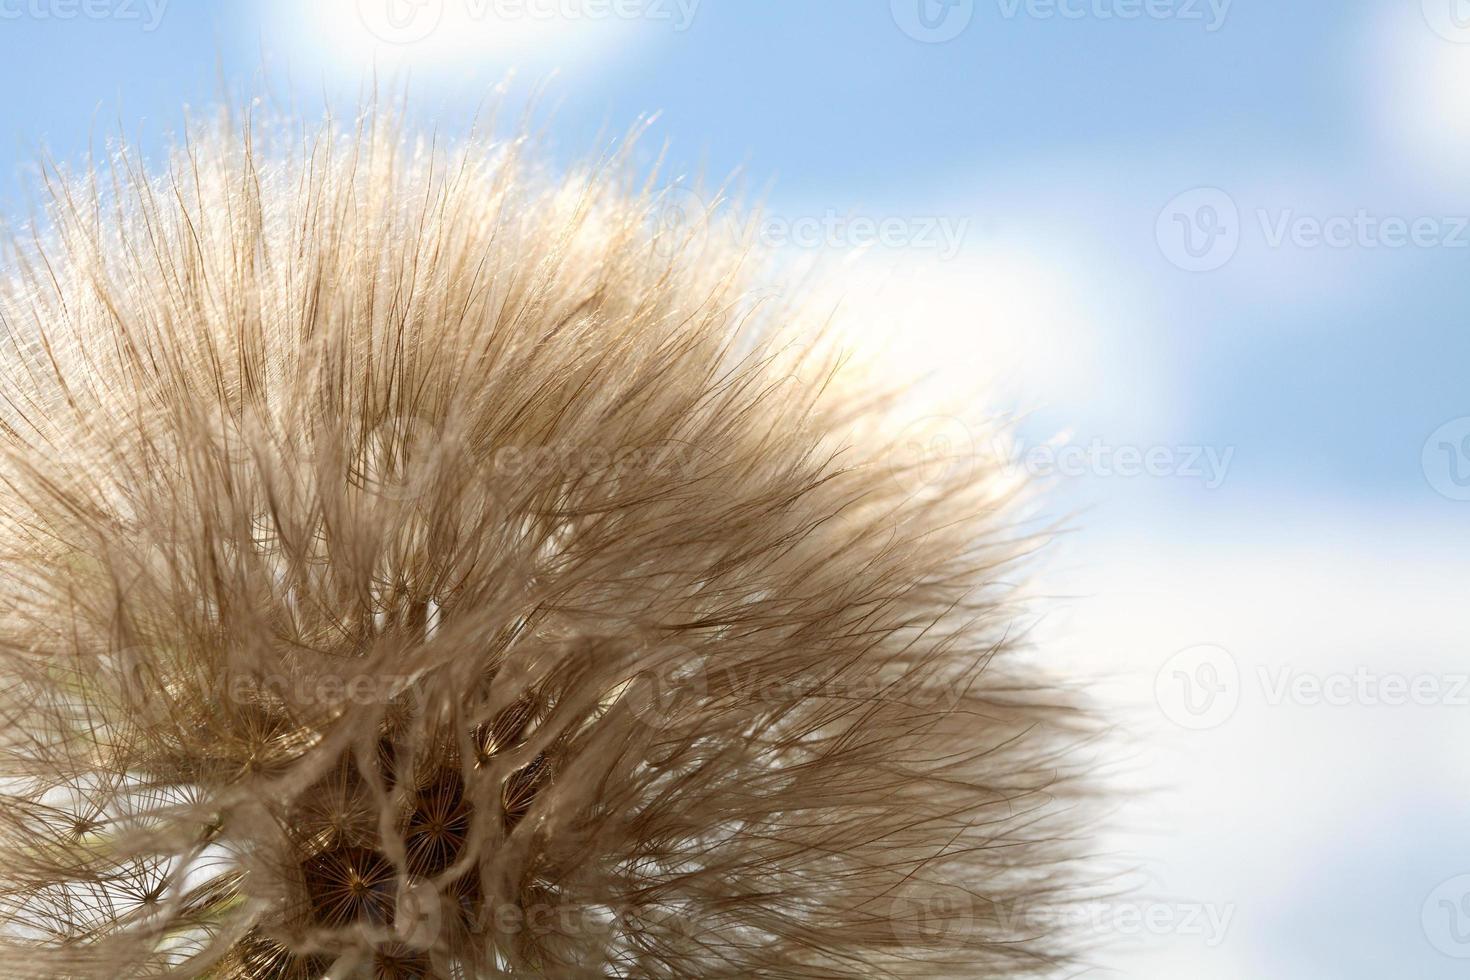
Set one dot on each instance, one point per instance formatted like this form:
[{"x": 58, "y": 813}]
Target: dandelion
[{"x": 305, "y": 672}]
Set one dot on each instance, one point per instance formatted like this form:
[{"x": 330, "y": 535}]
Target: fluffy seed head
[{"x": 418, "y": 564}]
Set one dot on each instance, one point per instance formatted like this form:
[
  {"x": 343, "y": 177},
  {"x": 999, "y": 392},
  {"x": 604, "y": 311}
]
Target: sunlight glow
[{"x": 434, "y": 35}]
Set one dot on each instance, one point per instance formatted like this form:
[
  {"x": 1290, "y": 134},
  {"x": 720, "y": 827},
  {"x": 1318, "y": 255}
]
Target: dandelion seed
[{"x": 417, "y": 564}]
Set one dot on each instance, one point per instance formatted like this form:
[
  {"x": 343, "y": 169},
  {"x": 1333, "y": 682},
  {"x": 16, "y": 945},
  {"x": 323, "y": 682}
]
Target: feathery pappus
[{"x": 421, "y": 563}]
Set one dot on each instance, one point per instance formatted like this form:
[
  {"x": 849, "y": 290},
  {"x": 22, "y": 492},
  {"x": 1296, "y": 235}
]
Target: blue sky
[
  {"x": 1058, "y": 136},
  {"x": 1327, "y": 367}
]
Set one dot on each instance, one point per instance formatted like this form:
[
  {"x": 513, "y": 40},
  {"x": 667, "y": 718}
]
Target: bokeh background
[{"x": 1212, "y": 255}]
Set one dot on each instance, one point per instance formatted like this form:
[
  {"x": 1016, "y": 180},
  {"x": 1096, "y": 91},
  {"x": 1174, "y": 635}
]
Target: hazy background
[{"x": 1220, "y": 249}]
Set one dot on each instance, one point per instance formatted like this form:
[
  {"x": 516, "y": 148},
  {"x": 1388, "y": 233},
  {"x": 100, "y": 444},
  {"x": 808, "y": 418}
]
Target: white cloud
[
  {"x": 433, "y": 37},
  {"x": 1233, "y": 813},
  {"x": 1022, "y": 325},
  {"x": 1418, "y": 85}
]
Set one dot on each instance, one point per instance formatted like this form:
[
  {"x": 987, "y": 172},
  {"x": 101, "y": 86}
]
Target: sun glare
[{"x": 431, "y": 35}]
